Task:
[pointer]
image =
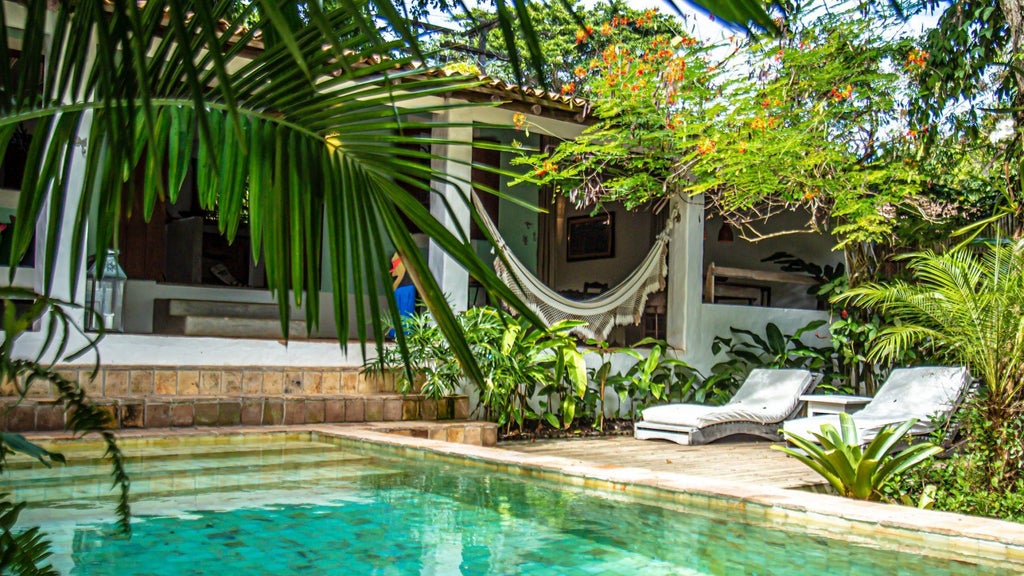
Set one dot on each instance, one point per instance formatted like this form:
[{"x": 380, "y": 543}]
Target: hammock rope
[{"x": 621, "y": 305}]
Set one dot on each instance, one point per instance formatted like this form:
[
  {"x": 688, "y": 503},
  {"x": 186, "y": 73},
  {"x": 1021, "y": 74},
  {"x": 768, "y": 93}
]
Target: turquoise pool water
[{"x": 294, "y": 505}]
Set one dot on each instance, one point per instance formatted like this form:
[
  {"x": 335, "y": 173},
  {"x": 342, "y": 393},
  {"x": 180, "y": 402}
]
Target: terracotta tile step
[{"x": 474, "y": 432}]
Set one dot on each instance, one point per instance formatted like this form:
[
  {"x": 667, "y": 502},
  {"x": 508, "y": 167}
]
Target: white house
[{"x": 199, "y": 325}]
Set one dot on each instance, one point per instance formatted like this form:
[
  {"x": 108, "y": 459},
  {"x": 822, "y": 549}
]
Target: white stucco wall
[
  {"x": 812, "y": 247},
  {"x": 632, "y": 237}
]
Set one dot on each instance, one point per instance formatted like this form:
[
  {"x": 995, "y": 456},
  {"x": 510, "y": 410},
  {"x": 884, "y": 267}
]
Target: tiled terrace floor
[{"x": 753, "y": 462}]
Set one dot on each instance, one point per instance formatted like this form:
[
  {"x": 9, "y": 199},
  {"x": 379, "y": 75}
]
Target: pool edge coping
[
  {"x": 981, "y": 537},
  {"x": 824, "y": 508}
]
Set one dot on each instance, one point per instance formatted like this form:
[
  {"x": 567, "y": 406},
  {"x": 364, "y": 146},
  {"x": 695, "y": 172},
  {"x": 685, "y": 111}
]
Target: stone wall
[
  {"x": 143, "y": 381},
  {"x": 158, "y": 397}
]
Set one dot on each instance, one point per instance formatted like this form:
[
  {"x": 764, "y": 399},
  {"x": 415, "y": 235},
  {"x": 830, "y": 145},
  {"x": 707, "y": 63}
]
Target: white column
[
  {"x": 454, "y": 160},
  {"x": 63, "y": 272},
  {"x": 685, "y": 263}
]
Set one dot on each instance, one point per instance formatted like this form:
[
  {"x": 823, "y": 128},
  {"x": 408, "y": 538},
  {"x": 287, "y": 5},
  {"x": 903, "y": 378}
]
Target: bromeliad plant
[{"x": 855, "y": 471}]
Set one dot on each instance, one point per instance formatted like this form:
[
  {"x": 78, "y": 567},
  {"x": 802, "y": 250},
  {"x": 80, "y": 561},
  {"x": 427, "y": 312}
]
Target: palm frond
[
  {"x": 310, "y": 131},
  {"x": 967, "y": 305}
]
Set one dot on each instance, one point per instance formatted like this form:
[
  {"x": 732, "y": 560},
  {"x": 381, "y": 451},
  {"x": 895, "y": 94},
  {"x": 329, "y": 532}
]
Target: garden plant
[{"x": 857, "y": 471}]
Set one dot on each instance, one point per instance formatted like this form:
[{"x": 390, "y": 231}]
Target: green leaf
[{"x": 19, "y": 443}]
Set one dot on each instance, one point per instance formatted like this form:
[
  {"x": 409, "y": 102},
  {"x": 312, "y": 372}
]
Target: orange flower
[
  {"x": 582, "y": 35},
  {"x": 606, "y": 29},
  {"x": 706, "y": 146},
  {"x": 519, "y": 120},
  {"x": 568, "y": 88},
  {"x": 916, "y": 59},
  {"x": 839, "y": 95},
  {"x": 548, "y": 166},
  {"x": 580, "y": 72}
]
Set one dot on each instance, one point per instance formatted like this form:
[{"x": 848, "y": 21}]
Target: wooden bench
[{"x": 714, "y": 290}]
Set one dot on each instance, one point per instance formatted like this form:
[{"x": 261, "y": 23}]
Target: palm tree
[{"x": 967, "y": 308}]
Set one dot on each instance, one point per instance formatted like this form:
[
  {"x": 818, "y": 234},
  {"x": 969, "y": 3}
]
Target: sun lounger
[
  {"x": 766, "y": 398},
  {"x": 924, "y": 393}
]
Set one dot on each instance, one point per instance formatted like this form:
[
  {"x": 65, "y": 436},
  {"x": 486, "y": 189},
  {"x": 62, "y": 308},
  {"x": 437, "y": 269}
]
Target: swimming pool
[{"x": 304, "y": 504}]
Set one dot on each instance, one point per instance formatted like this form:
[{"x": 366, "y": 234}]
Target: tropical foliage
[
  {"x": 566, "y": 35},
  {"x": 745, "y": 350},
  {"x": 983, "y": 476},
  {"x": 855, "y": 471},
  {"x": 23, "y": 551},
  {"x": 679, "y": 116},
  {"x": 966, "y": 307},
  {"x": 529, "y": 374},
  {"x": 655, "y": 377}
]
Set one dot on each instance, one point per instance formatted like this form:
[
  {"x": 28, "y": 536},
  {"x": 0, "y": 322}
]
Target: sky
[{"x": 707, "y": 28}]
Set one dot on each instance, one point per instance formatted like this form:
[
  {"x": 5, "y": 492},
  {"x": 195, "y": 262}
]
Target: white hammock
[{"x": 623, "y": 304}]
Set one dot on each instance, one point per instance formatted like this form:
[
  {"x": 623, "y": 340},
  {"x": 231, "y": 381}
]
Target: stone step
[
  {"x": 224, "y": 319},
  {"x": 191, "y": 484},
  {"x": 88, "y": 471},
  {"x": 145, "y": 457},
  {"x": 215, "y": 309},
  {"x": 236, "y": 327}
]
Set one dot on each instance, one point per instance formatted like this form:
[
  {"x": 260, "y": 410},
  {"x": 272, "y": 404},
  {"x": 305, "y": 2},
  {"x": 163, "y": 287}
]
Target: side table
[{"x": 818, "y": 404}]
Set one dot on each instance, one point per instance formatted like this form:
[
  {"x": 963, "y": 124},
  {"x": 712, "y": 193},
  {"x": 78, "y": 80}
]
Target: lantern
[{"x": 105, "y": 294}]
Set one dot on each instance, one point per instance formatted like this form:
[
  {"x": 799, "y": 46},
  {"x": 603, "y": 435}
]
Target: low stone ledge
[
  {"x": 118, "y": 381},
  {"x": 162, "y": 411}
]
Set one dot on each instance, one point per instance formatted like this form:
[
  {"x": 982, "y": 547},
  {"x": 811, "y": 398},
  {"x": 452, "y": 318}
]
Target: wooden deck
[{"x": 753, "y": 462}]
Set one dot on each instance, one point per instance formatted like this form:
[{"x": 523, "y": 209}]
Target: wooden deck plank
[{"x": 753, "y": 462}]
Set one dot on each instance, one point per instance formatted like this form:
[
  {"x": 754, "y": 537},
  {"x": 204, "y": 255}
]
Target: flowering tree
[
  {"x": 814, "y": 119},
  {"x": 560, "y": 28}
]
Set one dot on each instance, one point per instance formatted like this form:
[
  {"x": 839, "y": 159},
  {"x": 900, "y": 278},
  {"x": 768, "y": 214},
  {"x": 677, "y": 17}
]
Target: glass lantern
[{"x": 105, "y": 294}]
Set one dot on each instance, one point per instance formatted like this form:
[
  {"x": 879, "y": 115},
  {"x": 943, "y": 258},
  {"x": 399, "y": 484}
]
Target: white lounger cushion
[
  {"x": 766, "y": 397},
  {"x": 907, "y": 393}
]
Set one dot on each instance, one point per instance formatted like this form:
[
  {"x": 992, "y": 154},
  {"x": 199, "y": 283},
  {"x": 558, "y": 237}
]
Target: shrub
[{"x": 982, "y": 476}]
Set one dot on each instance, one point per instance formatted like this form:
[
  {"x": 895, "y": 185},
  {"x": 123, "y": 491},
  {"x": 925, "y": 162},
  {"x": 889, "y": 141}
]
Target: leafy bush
[
  {"x": 529, "y": 374},
  {"x": 657, "y": 377},
  {"x": 982, "y": 476},
  {"x": 746, "y": 350},
  {"x": 853, "y": 471},
  {"x": 430, "y": 360}
]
